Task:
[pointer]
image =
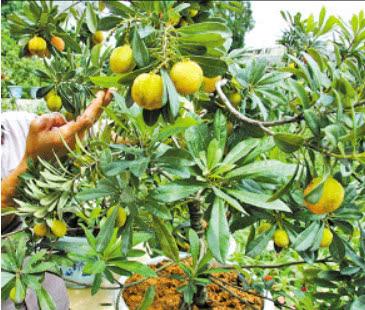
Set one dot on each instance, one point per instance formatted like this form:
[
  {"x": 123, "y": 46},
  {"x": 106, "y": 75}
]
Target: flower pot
[
  {"x": 33, "y": 92},
  {"x": 267, "y": 304},
  {"x": 16, "y": 91}
]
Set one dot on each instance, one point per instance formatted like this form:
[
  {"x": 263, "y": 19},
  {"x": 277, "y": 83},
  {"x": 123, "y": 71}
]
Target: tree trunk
[{"x": 196, "y": 222}]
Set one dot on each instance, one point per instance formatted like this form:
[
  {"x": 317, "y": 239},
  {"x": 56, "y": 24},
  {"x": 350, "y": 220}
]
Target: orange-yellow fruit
[
  {"x": 58, "y": 43},
  {"x": 209, "y": 83},
  {"x": 147, "y": 90},
  {"x": 98, "y": 37},
  {"x": 331, "y": 199},
  {"x": 58, "y": 228},
  {"x": 193, "y": 12},
  {"x": 37, "y": 45},
  {"x": 291, "y": 65},
  {"x": 187, "y": 77},
  {"x": 121, "y": 216},
  {"x": 54, "y": 103},
  {"x": 327, "y": 238},
  {"x": 12, "y": 294},
  {"x": 281, "y": 238},
  {"x": 121, "y": 59},
  {"x": 40, "y": 229},
  {"x": 235, "y": 99},
  {"x": 50, "y": 93},
  {"x": 263, "y": 228}
]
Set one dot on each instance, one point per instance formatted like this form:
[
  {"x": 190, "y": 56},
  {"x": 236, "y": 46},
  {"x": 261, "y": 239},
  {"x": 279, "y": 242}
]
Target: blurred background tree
[{"x": 16, "y": 70}]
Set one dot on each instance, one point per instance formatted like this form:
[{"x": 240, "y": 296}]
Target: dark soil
[{"x": 168, "y": 298}]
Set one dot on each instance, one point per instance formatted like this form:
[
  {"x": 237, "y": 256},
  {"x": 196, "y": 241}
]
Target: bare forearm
[{"x": 9, "y": 184}]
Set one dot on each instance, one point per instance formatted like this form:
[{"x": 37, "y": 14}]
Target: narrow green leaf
[
  {"x": 194, "y": 245},
  {"x": 91, "y": 18},
  {"x": 106, "y": 232},
  {"x": 258, "y": 245},
  {"x": 166, "y": 240},
  {"x": 140, "y": 51},
  {"x": 148, "y": 298},
  {"x": 307, "y": 237},
  {"x": 288, "y": 142}
]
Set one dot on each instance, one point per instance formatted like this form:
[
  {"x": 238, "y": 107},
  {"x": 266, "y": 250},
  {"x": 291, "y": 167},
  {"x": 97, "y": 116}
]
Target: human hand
[{"x": 48, "y": 133}]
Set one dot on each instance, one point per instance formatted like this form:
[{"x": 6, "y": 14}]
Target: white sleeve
[{"x": 14, "y": 132}]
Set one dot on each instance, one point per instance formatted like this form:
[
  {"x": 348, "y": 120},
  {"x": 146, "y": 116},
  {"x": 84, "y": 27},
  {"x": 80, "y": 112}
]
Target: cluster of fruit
[
  {"x": 147, "y": 88},
  {"x": 330, "y": 200},
  {"x": 59, "y": 228},
  {"x": 39, "y": 46}
]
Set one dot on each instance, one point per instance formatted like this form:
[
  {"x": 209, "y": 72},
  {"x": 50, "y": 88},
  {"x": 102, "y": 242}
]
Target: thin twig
[
  {"x": 324, "y": 260},
  {"x": 13, "y": 233},
  {"x": 247, "y": 303},
  {"x": 246, "y": 291},
  {"x": 236, "y": 113}
]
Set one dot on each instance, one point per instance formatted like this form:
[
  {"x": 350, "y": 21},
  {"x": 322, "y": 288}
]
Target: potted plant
[{"x": 199, "y": 142}]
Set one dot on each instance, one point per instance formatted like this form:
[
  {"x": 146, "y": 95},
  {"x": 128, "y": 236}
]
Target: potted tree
[{"x": 199, "y": 142}]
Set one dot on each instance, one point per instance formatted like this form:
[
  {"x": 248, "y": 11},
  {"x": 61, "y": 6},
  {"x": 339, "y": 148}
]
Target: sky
[{"x": 269, "y": 24}]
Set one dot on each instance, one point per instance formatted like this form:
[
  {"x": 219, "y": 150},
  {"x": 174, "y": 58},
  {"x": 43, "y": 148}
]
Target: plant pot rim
[{"x": 268, "y": 304}]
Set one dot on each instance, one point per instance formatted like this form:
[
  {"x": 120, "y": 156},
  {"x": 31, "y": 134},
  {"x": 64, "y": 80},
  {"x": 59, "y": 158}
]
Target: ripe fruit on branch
[
  {"x": 235, "y": 99},
  {"x": 193, "y": 12},
  {"x": 58, "y": 228},
  {"x": 12, "y": 295},
  {"x": 40, "y": 229},
  {"x": 327, "y": 238},
  {"x": 267, "y": 278},
  {"x": 281, "y": 238},
  {"x": 147, "y": 90},
  {"x": 54, "y": 103},
  {"x": 98, "y": 37},
  {"x": 58, "y": 43},
  {"x": 209, "y": 83},
  {"x": 121, "y": 216},
  {"x": 331, "y": 198},
  {"x": 187, "y": 77},
  {"x": 121, "y": 59},
  {"x": 37, "y": 45}
]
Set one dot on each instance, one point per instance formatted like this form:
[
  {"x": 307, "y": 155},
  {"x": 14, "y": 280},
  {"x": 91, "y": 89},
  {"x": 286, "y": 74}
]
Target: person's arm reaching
[{"x": 46, "y": 137}]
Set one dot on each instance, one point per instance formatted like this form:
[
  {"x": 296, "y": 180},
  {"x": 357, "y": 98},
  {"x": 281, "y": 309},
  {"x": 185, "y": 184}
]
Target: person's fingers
[
  {"x": 40, "y": 123},
  {"x": 58, "y": 120}
]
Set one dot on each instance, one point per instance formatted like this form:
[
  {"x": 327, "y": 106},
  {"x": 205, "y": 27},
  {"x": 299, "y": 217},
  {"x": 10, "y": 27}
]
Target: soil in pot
[{"x": 168, "y": 298}]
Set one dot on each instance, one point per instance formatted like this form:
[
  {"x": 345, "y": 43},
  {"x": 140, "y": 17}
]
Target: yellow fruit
[
  {"x": 263, "y": 228},
  {"x": 281, "y": 238},
  {"x": 187, "y": 77},
  {"x": 37, "y": 45},
  {"x": 101, "y": 5},
  {"x": 59, "y": 228},
  {"x": 147, "y": 90},
  {"x": 121, "y": 217},
  {"x": 50, "y": 93},
  {"x": 98, "y": 37},
  {"x": 193, "y": 12},
  {"x": 209, "y": 83},
  {"x": 331, "y": 199},
  {"x": 235, "y": 99},
  {"x": 292, "y": 65},
  {"x": 40, "y": 229},
  {"x": 121, "y": 59},
  {"x": 54, "y": 103},
  {"x": 229, "y": 128},
  {"x": 58, "y": 43},
  {"x": 327, "y": 238}
]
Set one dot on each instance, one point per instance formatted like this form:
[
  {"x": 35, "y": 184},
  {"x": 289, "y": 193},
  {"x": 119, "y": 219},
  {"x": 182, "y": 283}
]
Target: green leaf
[
  {"x": 170, "y": 90},
  {"x": 259, "y": 245},
  {"x": 106, "y": 232},
  {"x": 258, "y": 200},
  {"x": 211, "y": 66},
  {"x": 307, "y": 237},
  {"x": 96, "y": 283},
  {"x": 288, "y": 142},
  {"x": 358, "y": 303},
  {"x": 230, "y": 200},
  {"x": 95, "y": 54},
  {"x": 140, "y": 51},
  {"x": 312, "y": 121},
  {"x": 106, "y": 81},
  {"x": 177, "y": 190},
  {"x": 6, "y": 277},
  {"x": 166, "y": 240},
  {"x": 148, "y": 298},
  {"x": 136, "y": 267},
  {"x": 91, "y": 18},
  {"x": 285, "y": 189},
  {"x": 214, "y": 153},
  {"x": 194, "y": 245},
  {"x": 337, "y": 247},
  {"x": 316, "y": 193},
  {"x": 20, "y": 290},
  {"x": 240, "y": 150},
  {"x": 220, "y": 129},
  {"x": 45, "y": 300},
  {"x": 218, "y": 231}
]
